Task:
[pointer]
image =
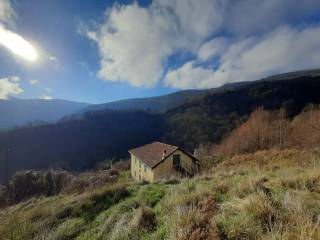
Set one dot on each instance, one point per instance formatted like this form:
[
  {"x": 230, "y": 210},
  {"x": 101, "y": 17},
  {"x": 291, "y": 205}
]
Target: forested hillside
[
  {"x": 78, "y": 144},
  {"x": 209, "y": 118},
  {"x": 100, "y": 135},
  {"x": 161, "y": 104}
]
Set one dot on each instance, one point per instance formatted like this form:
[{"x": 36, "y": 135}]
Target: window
[
  {"x": 176, "y": 159},
  {"x": 145, "y": 168}
]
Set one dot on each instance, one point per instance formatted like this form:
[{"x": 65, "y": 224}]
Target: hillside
[
  {"x": 207, "y": 119},
  {"x": 17, "y": 112},
  {"x": 78, "y": 144},
  {"x": 101, "y": 135},
  {"x": 21, "y": 112},
  {"x": 154, "y": 104},
  {"x": 161, "y": 104},
  {"x": 267, "y": 195}
]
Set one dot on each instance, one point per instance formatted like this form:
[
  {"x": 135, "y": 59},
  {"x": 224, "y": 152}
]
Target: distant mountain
[
  {"x": 99, "y": 135},
  {"x": 18, "y": 112},
  {"x": 21, "y": 112},
  {"x": 153, "y": 104},
  {"x": 161, "y": 104}
]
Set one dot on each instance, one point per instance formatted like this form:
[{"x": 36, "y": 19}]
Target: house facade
[{"x": 156, "y": 161}]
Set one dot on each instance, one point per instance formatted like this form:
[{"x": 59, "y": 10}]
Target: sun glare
[{"x": 17, "y": 44}]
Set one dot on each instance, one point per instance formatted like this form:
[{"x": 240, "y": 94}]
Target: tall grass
[{"x": 265, "y": 195}]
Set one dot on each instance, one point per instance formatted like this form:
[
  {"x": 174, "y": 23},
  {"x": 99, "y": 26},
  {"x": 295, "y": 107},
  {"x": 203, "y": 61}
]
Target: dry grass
[{"x": 267, "y": 195}]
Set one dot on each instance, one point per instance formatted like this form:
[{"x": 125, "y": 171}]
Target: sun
[{"x": 17, "y": 44}]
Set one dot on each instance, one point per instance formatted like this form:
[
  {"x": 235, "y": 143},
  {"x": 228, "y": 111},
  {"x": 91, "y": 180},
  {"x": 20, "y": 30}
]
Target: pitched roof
[{"x": 151, "y": 154}]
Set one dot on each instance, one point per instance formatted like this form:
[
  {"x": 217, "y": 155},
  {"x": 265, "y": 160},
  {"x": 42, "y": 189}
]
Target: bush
[{"x": 27, "y": 184}]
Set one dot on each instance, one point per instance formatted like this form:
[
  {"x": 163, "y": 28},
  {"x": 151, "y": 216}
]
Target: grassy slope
[{"x": 266, "y": 195}]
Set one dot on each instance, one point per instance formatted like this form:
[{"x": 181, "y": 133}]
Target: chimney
[{"x": 164, "y": 154}]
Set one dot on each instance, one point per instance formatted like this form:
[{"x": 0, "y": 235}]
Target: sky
[{"x": 101, "y": 50}]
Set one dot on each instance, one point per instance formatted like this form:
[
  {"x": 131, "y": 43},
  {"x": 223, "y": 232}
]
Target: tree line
[{"x": 273, "y": 129}]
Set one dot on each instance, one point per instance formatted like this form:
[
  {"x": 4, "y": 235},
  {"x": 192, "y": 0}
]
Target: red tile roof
[{"x": 151, "y": 154}]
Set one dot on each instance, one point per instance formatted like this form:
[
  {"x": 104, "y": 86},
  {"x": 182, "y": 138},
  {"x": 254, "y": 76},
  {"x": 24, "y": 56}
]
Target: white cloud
[
  {"x": 195, "y": 19},
  {"x": 46, "y": 97},
  {"x": 238, "y": 38},
  {"x": 212, "y": 48},
  {"x": 9, "y": 87},
  {"x": 285, "y": 49},
  {"x": 15, "y": 79},
  {"x": 188, "y": 76},
  {"x": 7, "y": 13},
  {"x": 135, "y": 42},
  {"x": 34, "y": 81}
]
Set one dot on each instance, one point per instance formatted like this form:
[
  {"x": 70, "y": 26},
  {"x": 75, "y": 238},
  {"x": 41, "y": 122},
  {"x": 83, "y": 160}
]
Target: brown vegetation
[{"x": 272, "y": 129}]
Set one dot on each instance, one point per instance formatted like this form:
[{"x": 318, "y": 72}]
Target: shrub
[{"x": 27, "y": 184}]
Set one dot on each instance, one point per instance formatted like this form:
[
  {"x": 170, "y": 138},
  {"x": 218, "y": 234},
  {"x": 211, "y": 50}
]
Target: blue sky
[{"x": 100, "y": 51}]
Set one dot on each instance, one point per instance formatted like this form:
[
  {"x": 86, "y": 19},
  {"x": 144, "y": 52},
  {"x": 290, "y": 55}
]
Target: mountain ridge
[
  {"x": 162, "y": 103},
  {"x": 17, "y": 112},
  {"x": 80, "y": 143}
]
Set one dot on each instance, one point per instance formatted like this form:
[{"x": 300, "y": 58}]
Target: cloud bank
[
  {"x": 282, "y": 50},
  {"x": 225, "y": 40}
]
